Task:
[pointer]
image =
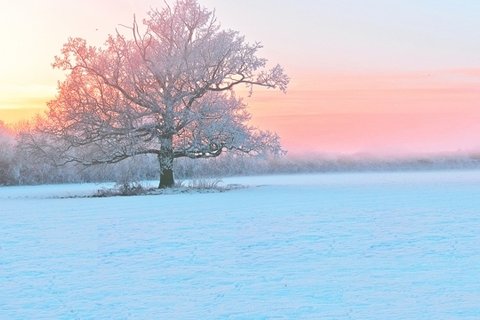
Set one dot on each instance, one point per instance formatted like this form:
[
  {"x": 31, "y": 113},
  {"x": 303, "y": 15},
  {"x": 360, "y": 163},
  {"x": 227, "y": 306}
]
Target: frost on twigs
[
  {"x": 163, "y": 87},
  {"x": 126, "y": 189},
  {"x": 203, "y": 185}
]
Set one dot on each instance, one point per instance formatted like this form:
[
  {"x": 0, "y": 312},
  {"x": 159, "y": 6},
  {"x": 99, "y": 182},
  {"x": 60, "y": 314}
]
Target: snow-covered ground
[{"x": 319, "y": 246}]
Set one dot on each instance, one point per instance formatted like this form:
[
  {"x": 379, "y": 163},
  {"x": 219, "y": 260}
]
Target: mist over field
[{"x": 18, "y": 168}]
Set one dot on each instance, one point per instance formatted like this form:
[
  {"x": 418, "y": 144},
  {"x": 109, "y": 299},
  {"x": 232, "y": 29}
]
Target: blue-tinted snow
[{"x": 326, "y": 246}]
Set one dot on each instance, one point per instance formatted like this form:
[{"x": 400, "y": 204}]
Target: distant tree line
[{"x": 18, "y": 167}]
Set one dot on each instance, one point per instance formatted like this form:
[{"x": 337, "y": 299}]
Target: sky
[{"x": 381, "y": 77}]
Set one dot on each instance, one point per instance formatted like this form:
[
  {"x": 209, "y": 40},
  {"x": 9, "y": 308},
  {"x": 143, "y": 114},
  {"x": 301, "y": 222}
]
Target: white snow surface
[{"x": 402, "y": 245}]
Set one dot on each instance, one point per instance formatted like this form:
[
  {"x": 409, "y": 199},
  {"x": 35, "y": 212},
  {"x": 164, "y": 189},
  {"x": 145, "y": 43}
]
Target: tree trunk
[
  {"x": 166, "y": 178},
  {"x": 165, "y": 160}
]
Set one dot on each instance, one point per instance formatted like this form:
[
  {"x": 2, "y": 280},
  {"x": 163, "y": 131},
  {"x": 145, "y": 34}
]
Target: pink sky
[
  {"x": 378, "y": 77},
  {"x": 393, "y": 114}
]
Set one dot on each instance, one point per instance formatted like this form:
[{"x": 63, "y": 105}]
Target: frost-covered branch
[{"x": 165, "y": 88}]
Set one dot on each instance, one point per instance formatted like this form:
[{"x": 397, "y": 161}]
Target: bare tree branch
[{"x": 166, "y": 89}]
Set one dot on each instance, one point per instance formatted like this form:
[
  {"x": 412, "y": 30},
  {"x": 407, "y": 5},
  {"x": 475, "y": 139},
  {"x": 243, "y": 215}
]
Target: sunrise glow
[{"x": 365, "y": 79}]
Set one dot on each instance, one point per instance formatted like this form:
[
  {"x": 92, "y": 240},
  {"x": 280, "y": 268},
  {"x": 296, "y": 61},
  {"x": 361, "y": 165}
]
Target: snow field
[{"x": 324, "y": 246}]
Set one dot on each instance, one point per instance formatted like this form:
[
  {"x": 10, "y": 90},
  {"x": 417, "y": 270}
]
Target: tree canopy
[{"x": 162, "y": 87}]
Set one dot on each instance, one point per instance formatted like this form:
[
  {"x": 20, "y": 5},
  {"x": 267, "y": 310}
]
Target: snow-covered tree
[{"x": 164, "y": 88}]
